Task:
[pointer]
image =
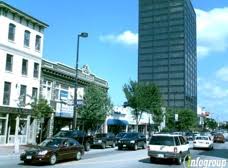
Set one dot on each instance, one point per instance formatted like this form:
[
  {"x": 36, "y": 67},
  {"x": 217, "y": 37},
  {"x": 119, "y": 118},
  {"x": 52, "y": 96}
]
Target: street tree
[
  {"x": 96, "y": 106},
  {"x": 187, "y": 120},
  {"x": 210, "y": 123},
  {"x": 143, "y": 98},
  {"x": 41, "y": 111}
]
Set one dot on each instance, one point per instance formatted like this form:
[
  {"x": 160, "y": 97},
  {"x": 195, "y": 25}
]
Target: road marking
[{"x": 102, "y": 162}]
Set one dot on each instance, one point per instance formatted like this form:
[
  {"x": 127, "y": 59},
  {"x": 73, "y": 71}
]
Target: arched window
[
  {"x": 11, "y": 33},
  {"x": 38, "y": 43},
  {"x": 26, "y": 38}
]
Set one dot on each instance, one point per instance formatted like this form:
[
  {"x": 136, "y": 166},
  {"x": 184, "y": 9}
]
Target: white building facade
[
  {"x": 21, "y": 48},
  {"x": 122, "y": 120}
]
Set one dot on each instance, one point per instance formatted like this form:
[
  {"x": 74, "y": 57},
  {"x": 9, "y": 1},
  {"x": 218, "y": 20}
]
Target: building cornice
[
  {"x": 22, "y": 14},
  {"x": 68, "y": 73}
]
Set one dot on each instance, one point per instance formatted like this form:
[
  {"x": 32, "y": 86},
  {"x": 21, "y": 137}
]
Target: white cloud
[
  {"x": 127, "y": 38},
  {"x": 212, "y": 31},
  {"x": 222, "y": 73},
  {"x": 212, "y": 90}
]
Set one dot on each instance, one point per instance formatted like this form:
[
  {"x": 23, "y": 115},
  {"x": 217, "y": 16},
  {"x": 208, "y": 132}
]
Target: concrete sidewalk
[{"x": 6, "y": 151}]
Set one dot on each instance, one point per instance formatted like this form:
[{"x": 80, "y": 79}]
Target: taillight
[
  {"x": 175, "y": 149},
  {"x": 148, "y": 147}
]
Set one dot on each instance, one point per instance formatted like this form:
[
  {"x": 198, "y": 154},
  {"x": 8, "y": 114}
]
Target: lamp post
[{"x": 84, "y": 35}]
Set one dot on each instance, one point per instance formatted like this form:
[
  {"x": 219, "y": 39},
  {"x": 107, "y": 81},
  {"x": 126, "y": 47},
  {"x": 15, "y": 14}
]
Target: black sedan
[
  {"x": 53, "y": 150},
  {"x": 132, "y": 140}
]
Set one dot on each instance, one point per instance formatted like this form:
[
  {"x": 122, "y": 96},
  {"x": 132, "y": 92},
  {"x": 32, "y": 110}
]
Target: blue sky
[{"x": 111, "y": 48}]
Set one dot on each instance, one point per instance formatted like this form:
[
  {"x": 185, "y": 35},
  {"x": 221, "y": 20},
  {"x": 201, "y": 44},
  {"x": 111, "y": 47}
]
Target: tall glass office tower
[{"x": 167, "y": 50}]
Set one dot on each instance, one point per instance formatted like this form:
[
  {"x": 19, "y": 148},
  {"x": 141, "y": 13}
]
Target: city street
[{"x": 112, "y": 158}]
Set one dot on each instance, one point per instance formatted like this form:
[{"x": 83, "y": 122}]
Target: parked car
[
  {"x": 219, "y": 138},
  {"x": 132, "y": 140},
  {"x": 168, "y": 146},
  {"x": 53, "y": 150},
  {"x": 120, "y": 135},
  {"x": 189, "y": 136},
  {"x": 80, "y": 136},
  {"x": 104, "y": 140},
  {"x": 203, "y": 142}
]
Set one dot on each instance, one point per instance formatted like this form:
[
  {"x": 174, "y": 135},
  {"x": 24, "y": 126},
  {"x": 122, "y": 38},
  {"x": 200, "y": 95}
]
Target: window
[
  {"x": 11, "y": 33},
  {"x": 177, "y": 142},
  {"x": 24, "y": 67},
  {"x": 23, "y": 94},
  {"x": 34, "y": 93},
  {"x": 9, "y": 62},
  {"x": 6, "y": 96},
  {"x": 182, "y": 140},
  {"x": 36, "y": 70},
  {"x": 38, "y": 43},
  {"x": 26, "y": 38}
]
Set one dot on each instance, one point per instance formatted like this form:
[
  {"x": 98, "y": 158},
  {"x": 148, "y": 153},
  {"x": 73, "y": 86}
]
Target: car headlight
[
  {"x": 43, "y": 152},
  {"x": 99, "y": 141},
  {"x": 132, "y": 141},
  {"x": 119, "y": 141}
]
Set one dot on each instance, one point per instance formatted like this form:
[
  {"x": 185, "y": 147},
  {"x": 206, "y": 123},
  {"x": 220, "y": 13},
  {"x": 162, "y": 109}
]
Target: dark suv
[
  {"x": 105, "y": 139},
  {"x": 80, "y": 136},
  {"x": 132, "y": 140}
]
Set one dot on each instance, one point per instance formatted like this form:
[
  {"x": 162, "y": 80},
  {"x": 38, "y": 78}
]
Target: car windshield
[
  {"x": 121, "y": 134},
  {"x": 162, "y": 140},
  {"x": 64, "y": 134},
  {"x": 201, "y": 138},
  {"x": 100, "y": 135},
  {"x": 130, "y": 135},
  {"x": 51, "y": 143}
]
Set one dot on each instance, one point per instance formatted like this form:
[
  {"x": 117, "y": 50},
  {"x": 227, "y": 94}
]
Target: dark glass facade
[{"x": 167, "y": 50}]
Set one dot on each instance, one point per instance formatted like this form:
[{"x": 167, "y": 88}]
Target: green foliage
[
  {"x": 97, "y": 106},
  {"x": 143, "y": 97},
  {"x": 187, "y": 120},
  {"x": 210, "y": 123},
  {"x": 41, "y": 109}
]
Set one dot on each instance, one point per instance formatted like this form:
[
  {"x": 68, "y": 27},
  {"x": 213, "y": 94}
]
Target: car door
[
  {"x": 63, "y": 150},
  {"x": 184, "y": 145}
]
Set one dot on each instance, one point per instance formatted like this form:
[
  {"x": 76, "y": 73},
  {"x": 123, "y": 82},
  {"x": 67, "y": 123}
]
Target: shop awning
[{"x": 117, "y": 122}]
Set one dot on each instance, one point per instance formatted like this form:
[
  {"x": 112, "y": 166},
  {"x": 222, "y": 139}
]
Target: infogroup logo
[{"x": 205, "y": 163}]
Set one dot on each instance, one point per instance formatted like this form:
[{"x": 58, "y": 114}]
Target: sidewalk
[{"x": 6, "y": 151}]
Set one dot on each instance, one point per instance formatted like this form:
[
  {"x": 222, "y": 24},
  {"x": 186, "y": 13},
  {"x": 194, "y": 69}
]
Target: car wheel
[
  {"x": 103, "y": 145},
  {"x": 179, "y": 160},
  {"x": 78, "y": 155},
  {"x": 53, "y": 159},
  {"x": 87, "y": 146},
  {"x": 26, "y": 162},
  {"x": 135, "y": 146},
  {"x": 152, "y": 160},
  {"x": 113, "y": 145}
]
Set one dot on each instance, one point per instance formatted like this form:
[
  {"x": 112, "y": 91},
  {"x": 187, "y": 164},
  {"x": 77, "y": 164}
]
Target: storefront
[{"x": 14, "y": 124}]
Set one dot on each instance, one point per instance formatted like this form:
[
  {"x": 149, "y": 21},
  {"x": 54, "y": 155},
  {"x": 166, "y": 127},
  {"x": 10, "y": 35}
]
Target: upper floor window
[
  {"x": 9, "y": 62},
  {"x": 36, "y": 70},
  {"x": 11, "y": 33},
  {"x": 38, "y": 43},
  {"x": 34, "y": 93},
  {"x": 23, "y": 94},
  {"x": 7, "y": 90},
  {"x": 24, "y": 70},
  {"x": 26, "y": 38}
]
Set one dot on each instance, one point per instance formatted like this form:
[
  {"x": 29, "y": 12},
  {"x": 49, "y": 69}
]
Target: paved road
[{"x": 112, "y": 158}]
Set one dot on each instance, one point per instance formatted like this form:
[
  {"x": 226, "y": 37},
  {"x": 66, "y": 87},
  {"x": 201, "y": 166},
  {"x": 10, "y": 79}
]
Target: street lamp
[{"x": 84, "y": 35}]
